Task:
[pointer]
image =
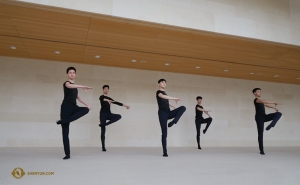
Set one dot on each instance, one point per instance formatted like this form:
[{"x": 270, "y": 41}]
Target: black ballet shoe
[
  {"x": 262, "y": 153},
  {"x": 66, "y": 157},
  {"x": 199, "y": 148},
  {"x": 269, "y": 127},
  {"x": 204, "y": 131},
  {"x": 171, "y": 124},
  {"x": 165, "y": 155},
  {"x": 58, "y": 122},
  {"x": 104, "y": 149}
]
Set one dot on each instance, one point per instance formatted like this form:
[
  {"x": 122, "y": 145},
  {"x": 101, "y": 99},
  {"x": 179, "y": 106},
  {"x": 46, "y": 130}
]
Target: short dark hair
[
  {"x": 255, "y": 89},
  {"x": 105, "y": 86},
  {"x": 71, "y": 68},
  {"x": 161, "y": 80},
  {"x": 199, "y": 97}
]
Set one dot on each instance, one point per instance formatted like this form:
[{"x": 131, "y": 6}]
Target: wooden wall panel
[
  {"x": 109, "y": 57},
  {"x": 56, "y": 18},
  {"x": 45, "y": 50},
  {"x": 7, "y": 42},
  {"x": 47, "y": 25},
  {"x": 6, "y": 25},
  {"x": 79, "y": 36}
]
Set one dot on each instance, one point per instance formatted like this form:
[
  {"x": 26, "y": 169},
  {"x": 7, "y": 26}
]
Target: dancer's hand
[
  {"x": 85, "y": 88},
  {"x": 88, "y": 107},
  {"x": 177, "y": 99},
  {"x": 110, "y": 101},
  {"x": 127, "y": 107},
  {"x": 276, "y": 109}
]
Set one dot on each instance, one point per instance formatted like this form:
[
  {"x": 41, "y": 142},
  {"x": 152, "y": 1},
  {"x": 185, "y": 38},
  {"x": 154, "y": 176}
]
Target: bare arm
[
  {"x": 205, "y": 111},
  {"x": 127, "y": 107},
  {"x": 83, "y": 102},
  {"x": 272, "y": 107},
  {"x": 172, "y": 105},
  {"x": 266, "y": 102},
  {"x": 207, "y": 114},
  {"x": 199, "y": 109},
  {"x": 112, "y": 101},
  {"x": 108, "y": 100},
  {"x": 168, "y": 97},
  {"x": 74, "y": 86}
]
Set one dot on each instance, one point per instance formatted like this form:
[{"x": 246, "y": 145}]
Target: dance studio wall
[
  {"x": 273, "y": 20},
  {"x": 31, "y": 92}
]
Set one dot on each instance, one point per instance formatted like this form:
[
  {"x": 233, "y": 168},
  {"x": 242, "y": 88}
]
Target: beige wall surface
[
  {"x": 271, "y": 20},
  {"x": 31, "y": 92}
]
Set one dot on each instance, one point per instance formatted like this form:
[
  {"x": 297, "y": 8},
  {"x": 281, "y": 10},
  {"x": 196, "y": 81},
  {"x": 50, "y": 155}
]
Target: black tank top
[
  {"x": 163, "y": 104},
  {"x": 259, "y": 108},
  {"x": 70, "y": 95},
  {"x": 199, "y": 114}
]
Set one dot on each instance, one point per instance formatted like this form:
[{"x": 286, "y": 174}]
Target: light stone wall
[
  {"x": 271, "y": 20},
  {"x": 31, "y": 92}
]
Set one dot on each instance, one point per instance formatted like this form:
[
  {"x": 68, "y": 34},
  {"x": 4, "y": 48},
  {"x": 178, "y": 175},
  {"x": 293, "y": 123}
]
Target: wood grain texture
[
  {"x": 80, "y": 36},
  {"x": 6, "y": 25},
  {"x": 7, "y": 42}
]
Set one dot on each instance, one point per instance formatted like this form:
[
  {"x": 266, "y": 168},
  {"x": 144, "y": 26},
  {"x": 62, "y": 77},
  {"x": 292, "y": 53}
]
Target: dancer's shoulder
[
  {"x": 200, "y": 106},
  {"x": 160, "y": 91},
  {"x": 68, "y": 82}
]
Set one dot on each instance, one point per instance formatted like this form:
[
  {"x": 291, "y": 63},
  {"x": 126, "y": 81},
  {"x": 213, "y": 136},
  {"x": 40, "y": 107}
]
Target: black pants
[
  {"x": 103, "y": 118},
  {"x": 260, "y": 120},
  {"x": 198, "y": 123},
  {"x": 68, "y": 113},
  {"x": 163, "y": 119}
]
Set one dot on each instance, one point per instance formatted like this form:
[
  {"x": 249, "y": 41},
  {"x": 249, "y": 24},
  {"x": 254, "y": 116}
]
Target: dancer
[
  {"x": 164, "y": 112},
  {"x": 200, "y": 120},
  {"x": 69, "y": 110},
  {"x": 105, "y": 113},
  {"x": 261, "y": 117}
]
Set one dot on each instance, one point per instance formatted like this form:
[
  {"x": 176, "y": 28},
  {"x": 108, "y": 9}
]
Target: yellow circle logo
[{"x": 18, "y": 173}]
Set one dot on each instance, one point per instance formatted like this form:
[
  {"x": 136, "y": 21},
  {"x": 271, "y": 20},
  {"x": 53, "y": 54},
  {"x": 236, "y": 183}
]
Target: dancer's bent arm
[
  {"x": 83, "y": 102},
  {"x": 110, "y": 100},
  {"x": 168, "y": 97},
  {"x": 172, "y": 106},
  {"x": 205, "y": 111},
  {"x": 266, "y": 102},
  {"x": 272, "y": 107},
  {"x": 199, "y": 109}
]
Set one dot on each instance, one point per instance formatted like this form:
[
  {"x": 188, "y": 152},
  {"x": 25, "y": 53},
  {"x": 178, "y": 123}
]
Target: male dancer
[
  {"x": 69, "y": 110},
  {"x": 164, "y": 112},
  {"x": 261, "y": 117},
  {"x": 105, "y": 113},
  {"x": 200, "y": 120}
]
